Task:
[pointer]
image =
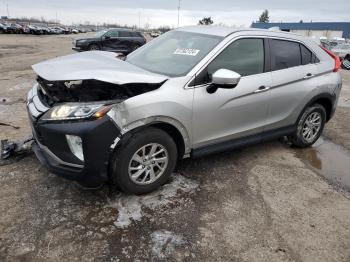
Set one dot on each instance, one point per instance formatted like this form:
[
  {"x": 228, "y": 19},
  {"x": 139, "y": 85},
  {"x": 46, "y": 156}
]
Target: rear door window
[
  {"x": 125, "y": 34},
  {"x": 112, "y": 33},
  {"x": 284, "y": 54}
]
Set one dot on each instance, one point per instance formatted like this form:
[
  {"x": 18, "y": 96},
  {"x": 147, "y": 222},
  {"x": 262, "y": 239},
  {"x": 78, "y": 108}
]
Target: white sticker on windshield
[{"x": 186, "y": 51}]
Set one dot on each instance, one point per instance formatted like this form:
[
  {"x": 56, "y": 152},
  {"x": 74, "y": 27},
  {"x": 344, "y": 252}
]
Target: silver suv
[{"x": 190, "y": 92}]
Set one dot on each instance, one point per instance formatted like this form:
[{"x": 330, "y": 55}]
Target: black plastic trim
[
  {"x": 240, "y": 142},
  {"x": 97, "y": 137}
]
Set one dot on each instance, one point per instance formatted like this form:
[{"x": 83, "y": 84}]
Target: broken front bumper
[{"x": 52, "y": 149}]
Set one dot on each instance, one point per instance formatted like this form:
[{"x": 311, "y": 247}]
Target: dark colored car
[
  {"x": 4, "y": 28},
  {"x": 34, "y": 30},
  {"x": 116, "y": 40},
  {"x": 16, "y": 29}
]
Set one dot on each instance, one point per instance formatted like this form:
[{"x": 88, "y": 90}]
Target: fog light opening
[{"x": 76, "y": 146}]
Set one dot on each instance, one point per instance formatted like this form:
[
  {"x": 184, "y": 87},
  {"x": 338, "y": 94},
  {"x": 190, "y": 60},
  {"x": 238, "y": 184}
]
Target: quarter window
[
  {"x": 244, "y": 56},
  {"x": 306, "y": 55},
  {"x": 284, "y": 54}
]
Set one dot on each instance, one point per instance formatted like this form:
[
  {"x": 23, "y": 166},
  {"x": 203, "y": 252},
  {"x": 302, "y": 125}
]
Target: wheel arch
[
  {"x": 326, "y": 100},
  {"x": 171, "y": 126}
]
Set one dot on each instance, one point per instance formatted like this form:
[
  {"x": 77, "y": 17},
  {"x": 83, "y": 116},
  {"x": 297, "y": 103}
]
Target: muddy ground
[{"x": 268, "y": 202}]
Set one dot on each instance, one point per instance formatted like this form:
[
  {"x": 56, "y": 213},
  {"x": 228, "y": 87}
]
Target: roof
[
  {"x": 339, "y": 26},
  {"x": 222, "y": 31}
]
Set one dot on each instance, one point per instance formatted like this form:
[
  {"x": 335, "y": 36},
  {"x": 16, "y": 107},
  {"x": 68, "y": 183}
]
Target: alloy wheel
[
  {"x": 148, "y": 164},
  {"x": 312, "y": 126}
]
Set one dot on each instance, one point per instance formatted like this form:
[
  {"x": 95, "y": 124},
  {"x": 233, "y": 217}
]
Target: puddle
[
  {"x": 130, "y": 207},
  {"x": 330, "y": 160}
]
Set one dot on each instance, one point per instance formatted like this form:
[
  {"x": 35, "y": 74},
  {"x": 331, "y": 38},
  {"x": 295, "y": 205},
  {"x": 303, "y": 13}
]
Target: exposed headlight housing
[{"x": 72, "y": 111}]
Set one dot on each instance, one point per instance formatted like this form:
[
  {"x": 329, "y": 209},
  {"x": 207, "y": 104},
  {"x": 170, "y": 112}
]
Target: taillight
[{"x": 336, "y": 59}]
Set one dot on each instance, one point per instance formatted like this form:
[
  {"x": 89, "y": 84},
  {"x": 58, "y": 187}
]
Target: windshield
[
  {"x": 174, "y": 53},
  {"x": 100, "y": 33}
]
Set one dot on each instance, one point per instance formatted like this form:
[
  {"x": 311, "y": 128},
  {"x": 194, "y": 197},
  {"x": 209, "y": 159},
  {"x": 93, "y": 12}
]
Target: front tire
[
  {"x": 310, "y": 126},
  {"x": 144, "y": 162},
  {"x": 94, "y": 47}
]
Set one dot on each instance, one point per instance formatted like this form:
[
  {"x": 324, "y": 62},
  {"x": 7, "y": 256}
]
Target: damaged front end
[
  {"x": 72, "y": 131},
  {"x": 53, "y": 92}
]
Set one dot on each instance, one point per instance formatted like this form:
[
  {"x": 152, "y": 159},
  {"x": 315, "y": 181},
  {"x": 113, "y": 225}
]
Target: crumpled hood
[{"x": 98, "y": 65}]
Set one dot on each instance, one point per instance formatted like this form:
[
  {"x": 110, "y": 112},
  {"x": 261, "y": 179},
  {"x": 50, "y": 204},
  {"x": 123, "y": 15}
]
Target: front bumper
[
  {"x": 78, "y": 49},
  {"x": 52, "y": 150}
]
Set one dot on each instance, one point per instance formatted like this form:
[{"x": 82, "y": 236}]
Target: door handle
[
  {"x": 308, "y": 75},
  {"x": 262, "y": 89}
]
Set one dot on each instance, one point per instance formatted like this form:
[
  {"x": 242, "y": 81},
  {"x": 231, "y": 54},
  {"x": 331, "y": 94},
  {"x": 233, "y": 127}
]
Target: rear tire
[
  {"x": 136, "y": 169},
  {"x": 310, "y": 126},
  {"x": 133, "y": 48}
]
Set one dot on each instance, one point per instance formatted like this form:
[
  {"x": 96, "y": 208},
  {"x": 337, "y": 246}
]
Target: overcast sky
[{"x": 164, "y": 12}]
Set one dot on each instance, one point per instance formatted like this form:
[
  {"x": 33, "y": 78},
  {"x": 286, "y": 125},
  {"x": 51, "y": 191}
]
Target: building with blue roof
[{"x": 314, "y": 29}]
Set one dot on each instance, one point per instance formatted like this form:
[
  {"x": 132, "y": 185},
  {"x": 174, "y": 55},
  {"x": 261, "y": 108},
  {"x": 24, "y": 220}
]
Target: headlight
[
  {"x": 81, "y": 41},
  {"x": 71, "y": 111}
]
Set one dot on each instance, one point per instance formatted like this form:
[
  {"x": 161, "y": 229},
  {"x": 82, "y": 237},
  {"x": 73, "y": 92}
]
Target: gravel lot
[{"x": 268, "y": 202}]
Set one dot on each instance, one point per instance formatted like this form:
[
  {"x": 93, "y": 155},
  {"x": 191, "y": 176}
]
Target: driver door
[{"x": 236, "y": 112}]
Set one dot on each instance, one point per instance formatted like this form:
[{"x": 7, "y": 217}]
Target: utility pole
[
  {"x": 178, "y": 14},
  {"x": 139, "y": 20},
  {"x": 8, "y": 13}
]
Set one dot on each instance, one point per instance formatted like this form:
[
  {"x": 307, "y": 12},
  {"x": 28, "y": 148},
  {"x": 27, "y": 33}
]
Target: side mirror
[
  {"x": 224, "y": 78},
  {"x": 106, "y": 37}
]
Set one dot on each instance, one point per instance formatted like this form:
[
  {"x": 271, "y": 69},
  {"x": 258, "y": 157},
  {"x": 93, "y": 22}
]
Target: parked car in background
[
  {"x": 4, "y": 28},
  {"x": 16, "y": 29},
  {"x": 191, "y": 92},
  {"x": 35, "y": 30},
  {"x": 155, "y": 34},
  {"x": 342, "y": 51},
  {"x": 46, "y": 30},
  {"x": 116, "y": 40},
  {"x": 325, "y": 44}
]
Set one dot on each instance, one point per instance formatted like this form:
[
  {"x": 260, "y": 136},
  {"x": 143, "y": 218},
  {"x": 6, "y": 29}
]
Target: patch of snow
[
  {"x": 164, "y": 243},
  {"x": 130, "y": 207},
  {"x": 24, "y": 85}
]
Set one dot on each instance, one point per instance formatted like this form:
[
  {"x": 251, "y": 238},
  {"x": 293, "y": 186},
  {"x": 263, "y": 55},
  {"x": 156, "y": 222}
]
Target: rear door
[
  {"x": 126, "y": 39},
  {"x": 293, "y": 77},
  {"x": 110, "y": 41},
  {"x": 238, "y": 112}
]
